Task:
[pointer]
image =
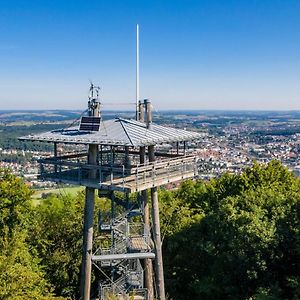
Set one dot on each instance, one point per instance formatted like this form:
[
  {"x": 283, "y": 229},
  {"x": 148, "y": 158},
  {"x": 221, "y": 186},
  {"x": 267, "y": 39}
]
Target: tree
[
  {"x": 56, "y": 235},
  {"x": 245, "y": 243},
  {"x": 14, "y": 202},
  {"x": 21, "y": 275}
]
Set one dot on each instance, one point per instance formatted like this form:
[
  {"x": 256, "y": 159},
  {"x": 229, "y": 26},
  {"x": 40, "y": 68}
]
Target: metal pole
[
  {"x": 157, "y": 239},
  {"x": 137, "y": 95},
  {"x": 146, "y": 216}
]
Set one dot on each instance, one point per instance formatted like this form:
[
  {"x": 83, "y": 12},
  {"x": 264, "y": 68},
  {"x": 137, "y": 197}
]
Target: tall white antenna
[{"x": 137, "y": 94}]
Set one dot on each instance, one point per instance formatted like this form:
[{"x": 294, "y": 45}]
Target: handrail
[
  {"x": 138, "y": 169},
  {"x": 71, "y": 155},
  {"x": 53, "y": 161},
  {"x": 143, "y": 174}
]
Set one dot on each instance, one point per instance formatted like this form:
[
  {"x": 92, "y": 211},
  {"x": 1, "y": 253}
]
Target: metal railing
[
  {"x": 127, "y": 235},
  {"x": 130, "y": 283}
]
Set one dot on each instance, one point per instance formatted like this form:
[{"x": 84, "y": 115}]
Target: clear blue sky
[{"x": 205, "y": 54}]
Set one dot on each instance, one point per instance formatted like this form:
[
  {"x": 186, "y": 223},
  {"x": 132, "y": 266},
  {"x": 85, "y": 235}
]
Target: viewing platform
[{"x": 118, "y": 178}]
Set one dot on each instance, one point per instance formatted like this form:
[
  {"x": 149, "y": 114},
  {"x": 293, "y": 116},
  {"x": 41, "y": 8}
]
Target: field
[{"x": 63, "y": 190}]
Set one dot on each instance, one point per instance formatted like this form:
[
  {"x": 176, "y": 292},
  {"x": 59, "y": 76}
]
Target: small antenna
[
  {"x": 94, "y": 103},
  {"x": 137, "y": 94}
]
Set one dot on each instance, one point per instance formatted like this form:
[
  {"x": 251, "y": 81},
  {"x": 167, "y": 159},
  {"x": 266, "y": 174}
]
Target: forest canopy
[{"x": 235, "y": 237}]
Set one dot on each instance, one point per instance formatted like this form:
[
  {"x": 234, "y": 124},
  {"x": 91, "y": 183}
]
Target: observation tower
[
  {"x": 124, "y": 160},
  {"x": 116, "y": 158}
]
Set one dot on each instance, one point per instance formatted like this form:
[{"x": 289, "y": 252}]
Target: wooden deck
[{"x": 132, "y": 179}]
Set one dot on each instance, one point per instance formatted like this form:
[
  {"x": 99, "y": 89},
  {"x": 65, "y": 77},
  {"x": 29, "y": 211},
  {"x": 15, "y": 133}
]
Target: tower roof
[{"x": 117, "y": 131}]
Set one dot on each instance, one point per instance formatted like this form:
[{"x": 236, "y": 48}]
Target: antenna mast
[
  {"x": 94, "y": 103},
  {"x": 137, "y": 94}
]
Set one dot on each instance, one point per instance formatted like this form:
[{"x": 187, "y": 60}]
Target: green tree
[
  {"x": 245, "y": 242},
  {"x": 56, "y": 235},
  {"x": 14, "y": 202},
  {"x": 21, "y": 275}
]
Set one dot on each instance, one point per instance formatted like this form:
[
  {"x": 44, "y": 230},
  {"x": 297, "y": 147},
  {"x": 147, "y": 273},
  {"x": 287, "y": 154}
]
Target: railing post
[
  {"x": 101, "y": 175},
  {"x": 136, "y": 177},
  {"x": 153, "y": 173},
  {"x": 111, "y": 176},
  {"x": 123, "y": 175}
]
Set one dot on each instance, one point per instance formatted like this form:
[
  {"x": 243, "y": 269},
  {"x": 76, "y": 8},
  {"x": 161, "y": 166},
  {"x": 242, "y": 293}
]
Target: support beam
[
  {"x": 138, "y": 255},
  {"x": 151, "y": 153},
  {"x": 127, "y": 158},
  {"x": 157, "y": 238},
  {"x": 142, "y": 155},
  {"x": 146, "y": 216},
  {"x": 85, "y": 284}
]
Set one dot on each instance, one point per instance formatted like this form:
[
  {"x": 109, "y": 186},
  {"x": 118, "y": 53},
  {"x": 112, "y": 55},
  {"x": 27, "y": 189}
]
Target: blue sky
[{"x": 226, "y": 54}]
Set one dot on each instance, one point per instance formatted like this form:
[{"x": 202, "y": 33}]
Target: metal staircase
[{"x": 129, "y": 243}]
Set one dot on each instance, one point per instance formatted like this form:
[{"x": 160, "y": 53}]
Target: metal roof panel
[{"x": 117, "y": 131}]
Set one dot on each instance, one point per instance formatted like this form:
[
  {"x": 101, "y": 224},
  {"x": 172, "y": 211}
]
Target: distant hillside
[{"x": 38, "y": 116}]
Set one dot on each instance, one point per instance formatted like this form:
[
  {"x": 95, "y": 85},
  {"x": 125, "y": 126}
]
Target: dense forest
[
  {"x": 235, "y": 237},
  {"x": 10, "y": 134}
]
